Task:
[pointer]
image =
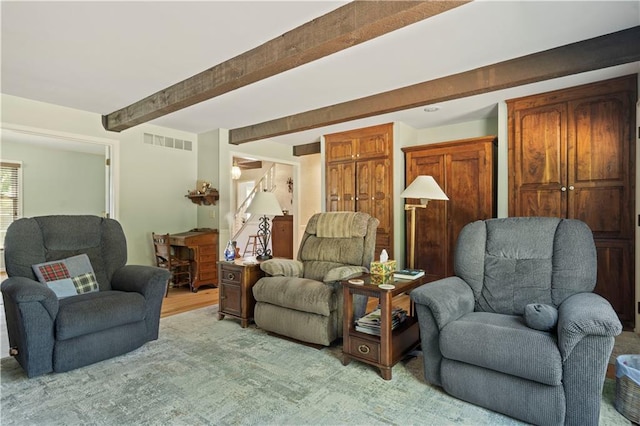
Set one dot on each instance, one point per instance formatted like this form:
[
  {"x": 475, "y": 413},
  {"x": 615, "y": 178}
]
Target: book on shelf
[
  {"x": 408, "y": 273},
  {"x": 370, "y": 323}
]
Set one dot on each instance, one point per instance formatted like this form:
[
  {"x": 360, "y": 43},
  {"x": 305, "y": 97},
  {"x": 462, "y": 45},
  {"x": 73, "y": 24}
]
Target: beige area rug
[{"x": 202, "y": 371}]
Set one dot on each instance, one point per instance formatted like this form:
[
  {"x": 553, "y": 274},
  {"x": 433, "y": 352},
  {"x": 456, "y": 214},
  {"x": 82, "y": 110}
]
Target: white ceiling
[{"x": 103, "y": 56}]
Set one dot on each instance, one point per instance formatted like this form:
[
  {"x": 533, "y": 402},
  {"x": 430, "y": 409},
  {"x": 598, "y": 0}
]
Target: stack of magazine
[
  {"x": 370, "y": 323},
  {"x": 408, "y": 274}
]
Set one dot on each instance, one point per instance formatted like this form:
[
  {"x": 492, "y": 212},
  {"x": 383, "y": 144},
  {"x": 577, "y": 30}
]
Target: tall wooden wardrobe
[
  {"x": 359, "y": 177},
  {"x": 466, "y": 172},
  {"x": 572, "y": 154}
]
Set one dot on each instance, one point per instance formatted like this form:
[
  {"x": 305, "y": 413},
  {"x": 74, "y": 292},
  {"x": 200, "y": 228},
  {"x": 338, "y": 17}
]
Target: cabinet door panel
[
  {"x": 539, "y": 161},
  {"x": 230, "y": 299},
  {"x": 615, "y": 258},
  {"x": 373, "y": 197},
  {"x": 376, "y": 145},
  {"x": 468, "y": 199},
  {"x": 607, "y": 220},
  {"x": 599, "y": 152},
  {"x": 340, "y": 187},
  {"x": 340, "y": 149}
]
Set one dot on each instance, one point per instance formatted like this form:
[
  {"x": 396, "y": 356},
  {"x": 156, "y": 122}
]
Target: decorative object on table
[
  {"x": 230, "y": 251},
  {"x": 264, "y": 204},
  {"x": 379, "y": 279},
  {"x": 424, "y": 188},
  {"x": 408, "y": 273},
  {"x": 384, "y": 266}
]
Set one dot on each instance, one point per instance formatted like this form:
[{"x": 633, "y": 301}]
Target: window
[{"x": 10, "y": 195}]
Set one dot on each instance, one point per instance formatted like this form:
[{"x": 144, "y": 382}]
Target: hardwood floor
[{"x": 181, "y": 299}]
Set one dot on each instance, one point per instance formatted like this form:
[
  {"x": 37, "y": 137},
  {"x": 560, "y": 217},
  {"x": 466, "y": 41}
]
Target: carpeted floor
[{"x": 204, "y": 372}]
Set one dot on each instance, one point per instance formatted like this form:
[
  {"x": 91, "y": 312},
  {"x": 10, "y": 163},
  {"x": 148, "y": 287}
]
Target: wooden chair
[{"x": 180, "y": 268}]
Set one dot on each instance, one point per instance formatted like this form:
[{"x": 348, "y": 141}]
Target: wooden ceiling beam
[
  {"x": 257, "y": 164},
  {"x": 306, "y": 149},
  {"x": 347, "y": 26},
  {"x": 601, "y": 52}
]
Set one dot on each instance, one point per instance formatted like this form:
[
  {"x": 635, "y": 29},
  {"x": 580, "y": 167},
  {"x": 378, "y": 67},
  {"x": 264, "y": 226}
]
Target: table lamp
[
  {"x": 424, "y": 188},
  {"x": 264, "y": 204}
]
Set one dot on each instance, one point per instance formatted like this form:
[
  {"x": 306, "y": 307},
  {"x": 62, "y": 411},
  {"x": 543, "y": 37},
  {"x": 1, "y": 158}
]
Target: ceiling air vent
[{"x": 168, "y": 142}]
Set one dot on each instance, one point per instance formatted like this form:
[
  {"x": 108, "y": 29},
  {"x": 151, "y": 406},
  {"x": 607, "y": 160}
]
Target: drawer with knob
[{"x": 365, "y": 349}]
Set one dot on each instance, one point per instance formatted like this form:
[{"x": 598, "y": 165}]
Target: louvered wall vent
[{"x": 168, "y": 142}]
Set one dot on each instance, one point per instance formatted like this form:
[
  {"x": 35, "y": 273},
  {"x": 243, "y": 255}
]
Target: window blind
[{"x": 10, "y": 203}]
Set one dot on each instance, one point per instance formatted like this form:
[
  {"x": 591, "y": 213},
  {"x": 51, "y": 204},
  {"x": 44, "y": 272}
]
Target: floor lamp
[
  {"x": 424, "y": 188},
  {"x": 265, "y": 204}
]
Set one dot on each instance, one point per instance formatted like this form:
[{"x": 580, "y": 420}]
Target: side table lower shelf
[{"x": 391, "y": 346}]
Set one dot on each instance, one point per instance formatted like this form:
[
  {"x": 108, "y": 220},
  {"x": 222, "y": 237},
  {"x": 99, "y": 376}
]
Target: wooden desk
[
  {"x": 200, "y": 246},
  {"x": 391, "y": 346}
]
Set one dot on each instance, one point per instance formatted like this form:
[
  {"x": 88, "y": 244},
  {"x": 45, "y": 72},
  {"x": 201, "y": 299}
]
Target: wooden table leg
[{"x": 385, "y": 372}]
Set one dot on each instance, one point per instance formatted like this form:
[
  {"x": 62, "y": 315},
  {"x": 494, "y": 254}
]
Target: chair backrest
[
  {"x": 162, "y": 250},
  {"x": 512, "y": 262},
  {"x": 335, "y": 239},
  {"x": 30, "y": 241}
]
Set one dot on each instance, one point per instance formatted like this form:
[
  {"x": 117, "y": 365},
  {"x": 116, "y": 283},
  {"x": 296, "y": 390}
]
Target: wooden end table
[
  {"x": 235, "y": 284},
  {"x": 391, "y": 346}
]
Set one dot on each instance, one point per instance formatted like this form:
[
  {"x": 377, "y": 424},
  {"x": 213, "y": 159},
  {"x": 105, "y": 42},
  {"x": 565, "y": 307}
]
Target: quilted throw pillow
[{"x": 67, "y": 277}]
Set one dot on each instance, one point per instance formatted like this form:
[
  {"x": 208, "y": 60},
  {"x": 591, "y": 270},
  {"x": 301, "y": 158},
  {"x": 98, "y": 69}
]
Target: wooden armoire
[
  {"x": 359, "y": 177},
  {"x": 466, "y": 172},
  {"x": 572, "y": 154}
]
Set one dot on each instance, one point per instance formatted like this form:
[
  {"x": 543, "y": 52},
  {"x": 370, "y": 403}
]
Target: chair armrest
[
  {"x": 448, "y": 299},
  {"x": 17, "y": 290},
  {"x": 342, "y": 273},
  {"x": 585, "y": 314},
  {"x": 283, "y": 267},
  {"x": 151, "y": 282},
  {"x": 145, "y": 280},
  {"x": 31, "y": 309}
]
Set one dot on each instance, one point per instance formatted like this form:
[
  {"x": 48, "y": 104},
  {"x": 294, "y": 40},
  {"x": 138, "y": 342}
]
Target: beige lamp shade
[
  {"x": 424, "y": 188},
  {"x": 264, "y": 204}
]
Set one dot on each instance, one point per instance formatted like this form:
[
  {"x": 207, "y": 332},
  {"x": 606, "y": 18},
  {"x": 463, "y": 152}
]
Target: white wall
[
  {"x": 310, "y": 195},
  {"x": 150, "y": 181},
  {"x": 58, "y": 181}
]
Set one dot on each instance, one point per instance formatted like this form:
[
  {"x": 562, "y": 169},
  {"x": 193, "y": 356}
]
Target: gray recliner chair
[
  {"x": 116, "y": 310},
  {"x": 518, "y": 329},
  {"x": 302, "y": 299}
]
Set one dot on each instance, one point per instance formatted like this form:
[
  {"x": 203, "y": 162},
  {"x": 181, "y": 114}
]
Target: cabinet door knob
[
  {"x": 571, "y": 188},
  {"x": 563, "y": 189}
]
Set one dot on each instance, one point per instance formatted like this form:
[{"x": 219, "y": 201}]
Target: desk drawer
[{"x": 365, "y": 349}]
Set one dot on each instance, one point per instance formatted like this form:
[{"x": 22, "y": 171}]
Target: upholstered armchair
[
  {"x": 302, "y": 299},
  {"x": 70, "y": 300},
  {"x": 518, "y": 329}
]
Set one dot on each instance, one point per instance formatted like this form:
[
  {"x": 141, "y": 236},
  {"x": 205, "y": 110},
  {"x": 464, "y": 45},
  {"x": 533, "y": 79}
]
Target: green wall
[{"x": 56, "y": 181}]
